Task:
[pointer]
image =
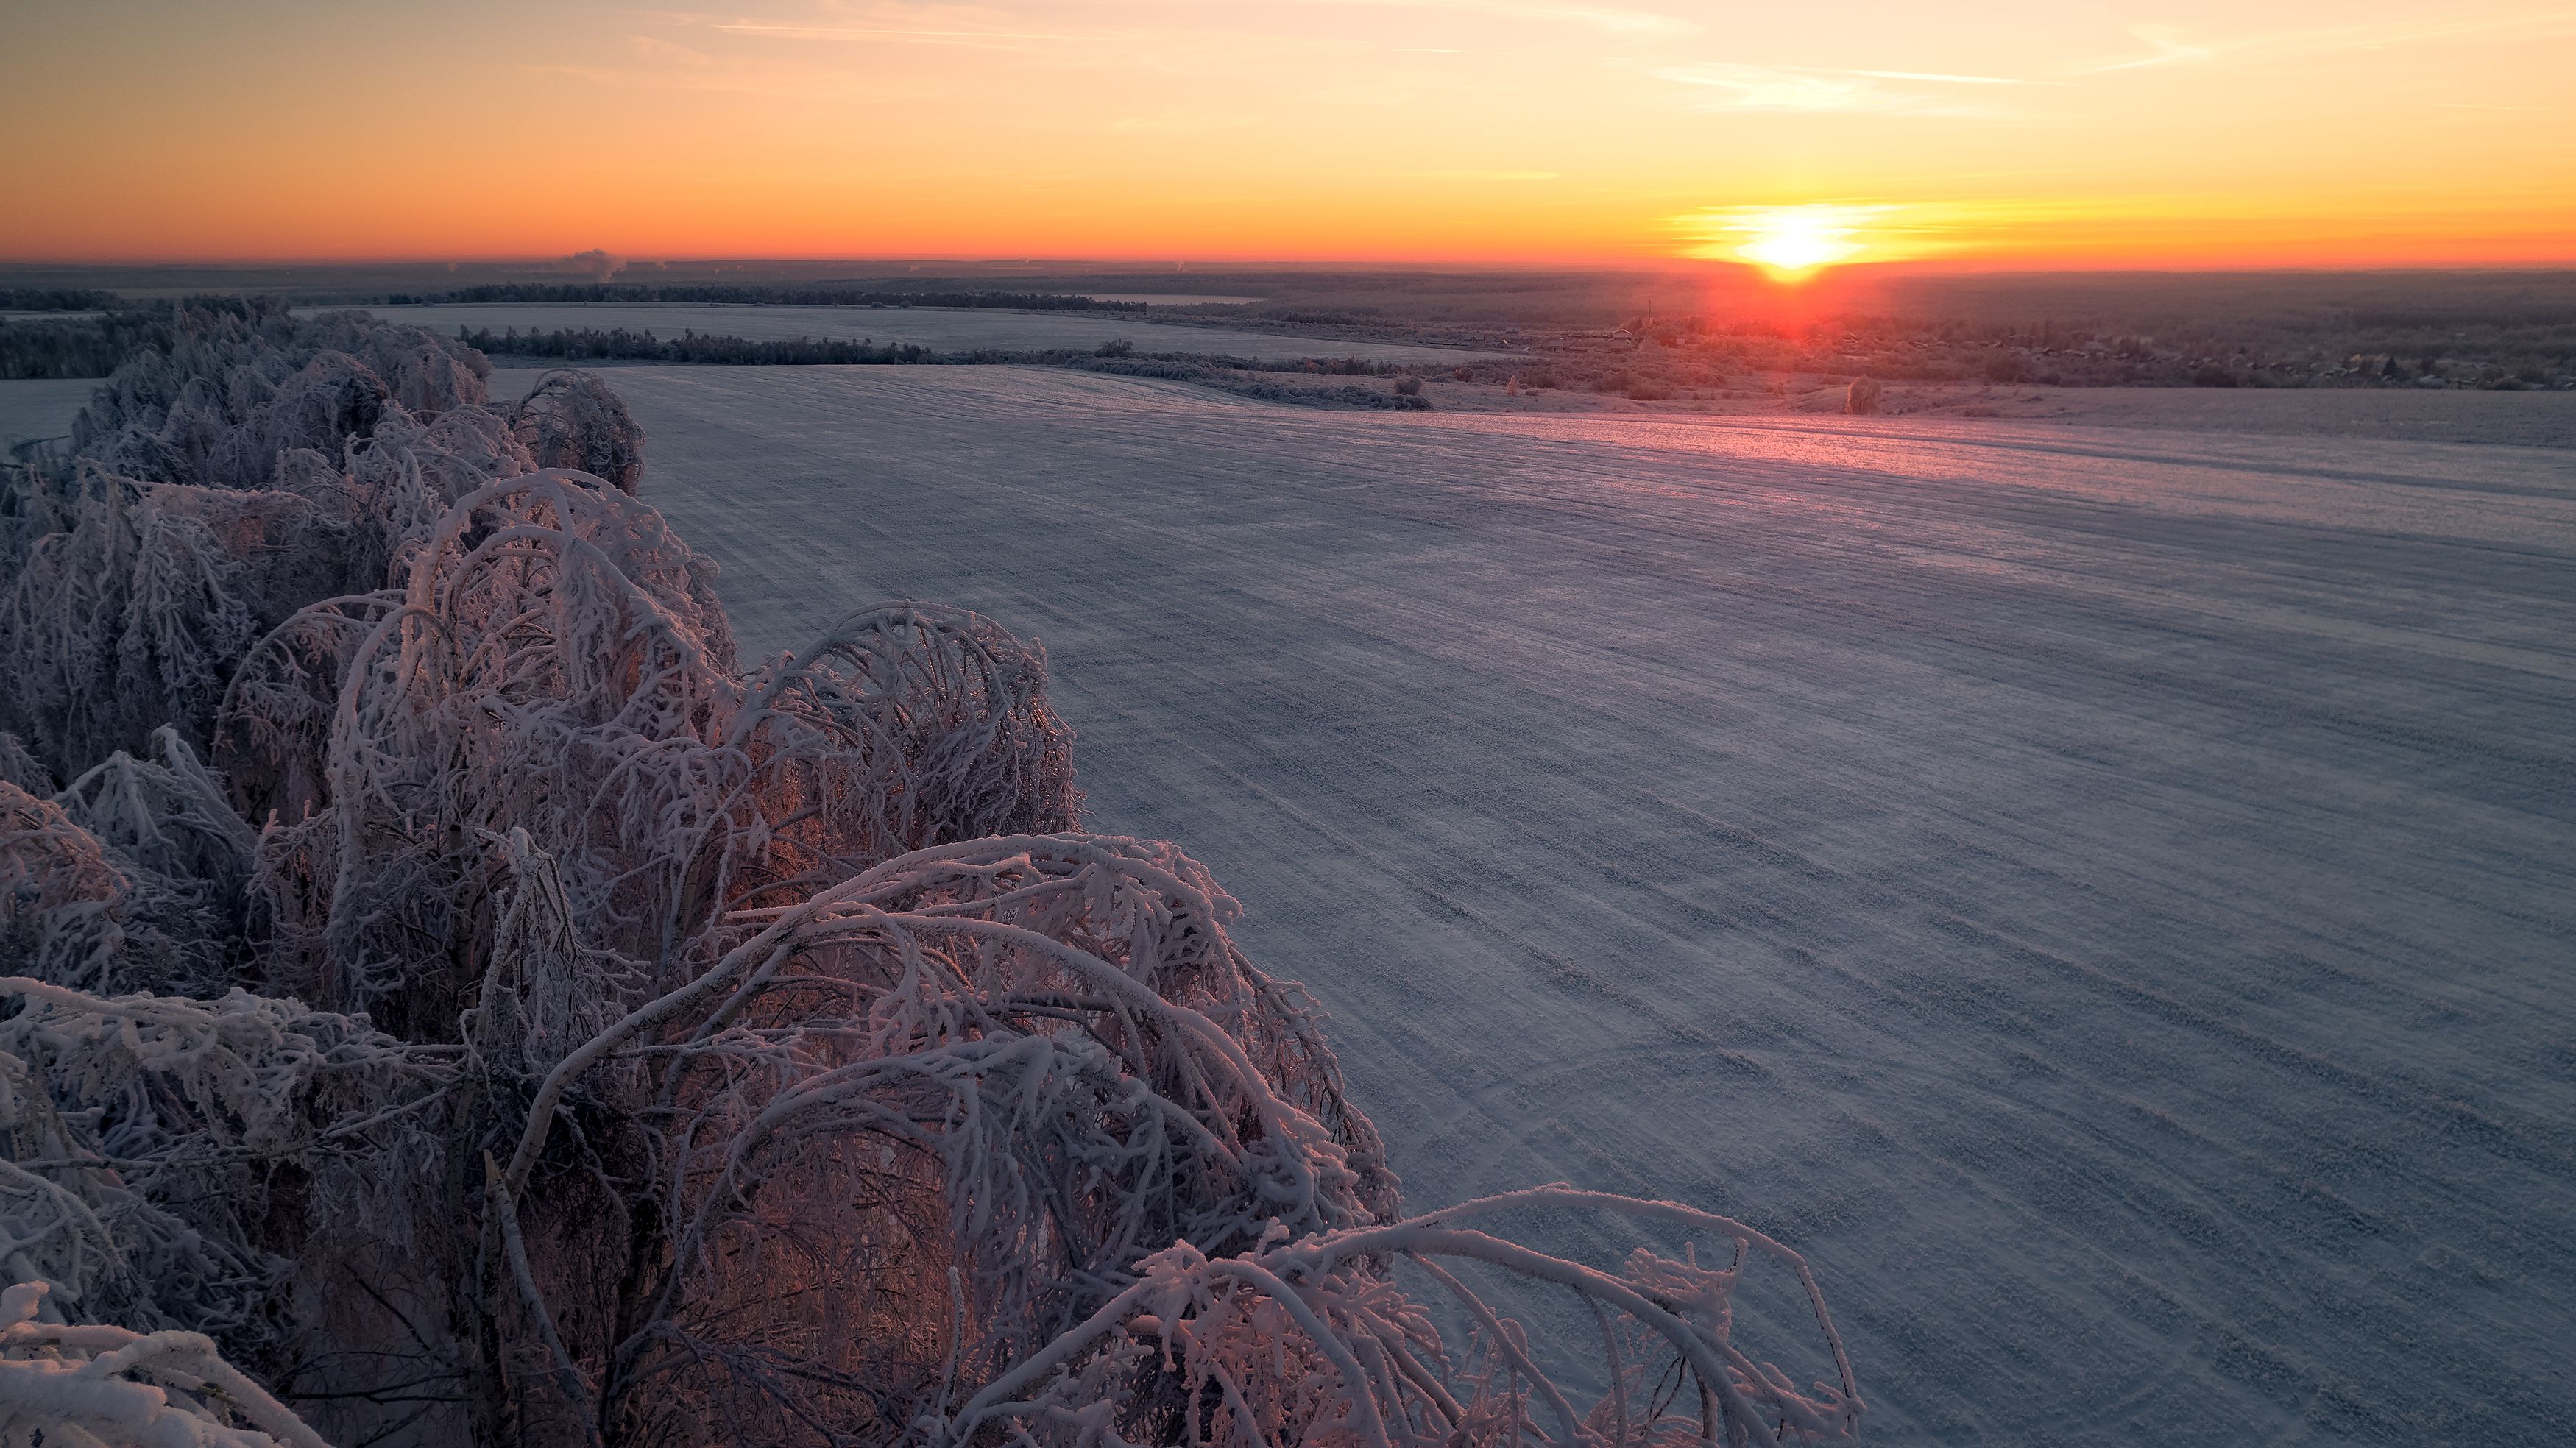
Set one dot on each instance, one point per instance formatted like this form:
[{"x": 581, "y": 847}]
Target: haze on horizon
[{"x": 1995, "y": 132}]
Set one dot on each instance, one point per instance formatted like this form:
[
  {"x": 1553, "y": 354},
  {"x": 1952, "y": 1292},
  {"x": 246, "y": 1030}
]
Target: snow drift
[{"x": 446, "y": 985}]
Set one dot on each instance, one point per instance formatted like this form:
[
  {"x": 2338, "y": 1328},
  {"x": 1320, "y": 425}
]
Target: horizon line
[{"x": 1169, "y": 267}]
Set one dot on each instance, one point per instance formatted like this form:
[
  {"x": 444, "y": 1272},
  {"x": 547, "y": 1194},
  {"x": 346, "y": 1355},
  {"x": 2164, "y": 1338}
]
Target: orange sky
[{"x": 1991, "y": 132}]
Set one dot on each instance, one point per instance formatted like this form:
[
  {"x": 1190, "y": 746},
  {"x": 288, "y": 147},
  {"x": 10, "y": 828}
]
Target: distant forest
[
  {"x": 100, "y": 330},
  {"x": 758, "y": 296},
  {"x": 1229, "y": 374},
  {"x": 620, "y": 344},
  {"x": 57, "y": 299}
]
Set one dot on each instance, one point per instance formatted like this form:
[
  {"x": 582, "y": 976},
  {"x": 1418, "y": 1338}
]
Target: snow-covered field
[
  {"x": 944, "y": 330},
  {"x": 41, "y": 406},
  {"x": 2109, "y": 897}
]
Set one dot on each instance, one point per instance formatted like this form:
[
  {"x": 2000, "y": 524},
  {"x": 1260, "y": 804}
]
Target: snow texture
[
  {"x": 2105, "y": 896},
  {"x": 536, "y": 1025}
]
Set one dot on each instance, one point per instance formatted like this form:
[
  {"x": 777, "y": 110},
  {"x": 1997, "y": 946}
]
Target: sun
[{"x": 1791, "y": 241}]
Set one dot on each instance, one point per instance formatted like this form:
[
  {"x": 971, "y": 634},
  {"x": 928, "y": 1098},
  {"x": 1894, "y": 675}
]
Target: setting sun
[{"x": 1791, "y": 241}]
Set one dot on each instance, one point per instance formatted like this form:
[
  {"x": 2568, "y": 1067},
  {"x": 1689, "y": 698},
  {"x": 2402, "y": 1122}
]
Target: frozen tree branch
[{"x": 110, "y": 1386}]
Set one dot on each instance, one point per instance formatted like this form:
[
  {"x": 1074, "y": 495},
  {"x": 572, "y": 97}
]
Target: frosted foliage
[
  {"x": 427, "y": 373},
  {"x": 130, "y": 878},
  {"x": 233, "y": 394},
  {"x": 167, "y": 1153},
  {"x": 572, "y": 420},
  {"x": 955, "y": 737},
  {"x": 129, "y": 617},
  {"x": 694, "y": 1054},
  {"x": 61, "y": 901},
  {"x": 109, "y": 1387},
  {"x": 215, "y": 492},
  {"x": 20, "y": 767}
]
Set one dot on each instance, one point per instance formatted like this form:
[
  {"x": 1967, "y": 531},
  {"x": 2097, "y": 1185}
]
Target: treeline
[
  {"x": 1234, "y": 375},
  {"x": 80, "y": 347},
  {"x": 57, "y": 299},
  {"x": 617, "y": 344},
  {"x": 759, "y": 296},
  {"x": 93, "y": 346},
  {"x": 1228, "y": 374},
  {"x": 86, "y": 347}
]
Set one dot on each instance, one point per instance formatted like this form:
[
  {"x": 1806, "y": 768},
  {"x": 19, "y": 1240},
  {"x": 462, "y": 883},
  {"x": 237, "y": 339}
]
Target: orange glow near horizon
[{"x": 1994, "y": 133}]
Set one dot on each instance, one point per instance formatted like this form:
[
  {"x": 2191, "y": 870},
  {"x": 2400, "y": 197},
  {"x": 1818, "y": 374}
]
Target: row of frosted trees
[{"x": 451, "y": 998}]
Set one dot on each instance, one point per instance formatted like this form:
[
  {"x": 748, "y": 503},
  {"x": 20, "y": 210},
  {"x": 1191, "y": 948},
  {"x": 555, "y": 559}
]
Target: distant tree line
[
  {"x": 759, "y": 296},
  {"x": 93, "y": 346},
  {"x": 1229, "y": 374},
  {"x": 617, "y": 344},
  {"x": 86, "y": 347},
  {"x": 57, "y": 299},
  {"x": 1235, "y": 375}
]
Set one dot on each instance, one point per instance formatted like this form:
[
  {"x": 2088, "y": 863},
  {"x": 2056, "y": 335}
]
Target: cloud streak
[
  {"x": 1937, "y": 78},
  {"x": 857, "y": 32},
  {"x": 1609, "y": 20},
  {"x": 1730, "y": 86},
  {"x": 2169, "y": 48}
]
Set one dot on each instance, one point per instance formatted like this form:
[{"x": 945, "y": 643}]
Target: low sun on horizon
[{"x": 1792, "y": 243}]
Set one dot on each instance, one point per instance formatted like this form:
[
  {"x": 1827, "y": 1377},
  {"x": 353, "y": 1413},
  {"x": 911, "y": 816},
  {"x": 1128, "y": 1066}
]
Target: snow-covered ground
[
  {"x": 2109, "y": 897},
  {"x": 41, "y": 406},
  {"x": 946, "y": 330}
]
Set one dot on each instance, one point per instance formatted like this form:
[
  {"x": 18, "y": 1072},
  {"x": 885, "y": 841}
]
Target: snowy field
[
  {"x": 41, "y": 406},
  {"x": 942, "y": 330},
  {"x": 2108, "y": 897}
]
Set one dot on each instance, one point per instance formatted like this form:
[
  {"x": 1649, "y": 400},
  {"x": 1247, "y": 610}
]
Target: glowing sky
[{"x": 2178, "y": 132}]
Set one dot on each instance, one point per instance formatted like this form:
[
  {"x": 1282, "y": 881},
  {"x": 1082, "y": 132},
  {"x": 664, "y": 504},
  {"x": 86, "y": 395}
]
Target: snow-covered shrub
[
  {"x": 172, "y": 1155},
  {"x": 110, "y": 1386},
  {"x": 571, "y": 419},
  {"x": 215, "y": 491},
  {"x": 61, "y": 901},
  {"x": 694, "y": 1054}
]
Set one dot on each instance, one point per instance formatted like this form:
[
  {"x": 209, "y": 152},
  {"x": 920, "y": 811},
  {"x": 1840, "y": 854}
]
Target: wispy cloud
[
  {"x": 1938, "y": 78},
  {"x": 1735, "y": 87},
  {"x": 1608, "y": 19},
  {"x": 896, "y": 33},
  {"x": 2167, "y": 46},
  {"x": 1178, "y": 123},
  {"x": 664, "y": 52}
]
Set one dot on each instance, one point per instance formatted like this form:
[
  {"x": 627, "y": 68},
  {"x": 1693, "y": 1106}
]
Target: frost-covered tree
[{"x": 441, "y": 982}]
